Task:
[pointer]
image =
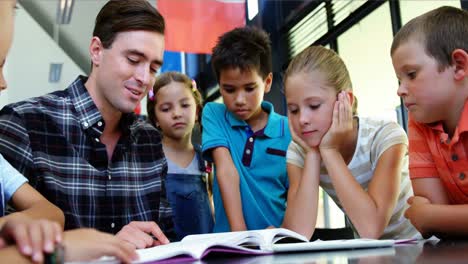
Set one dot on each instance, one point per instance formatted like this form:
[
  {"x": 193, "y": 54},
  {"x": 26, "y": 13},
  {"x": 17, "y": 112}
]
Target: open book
[{"x": 255, "y": 242}]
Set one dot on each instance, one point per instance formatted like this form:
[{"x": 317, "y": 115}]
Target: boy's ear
[
  {"x": 460, "y": 61},
  {"x": 268, "y": 82},
  {"x": 95, "y": 50}
]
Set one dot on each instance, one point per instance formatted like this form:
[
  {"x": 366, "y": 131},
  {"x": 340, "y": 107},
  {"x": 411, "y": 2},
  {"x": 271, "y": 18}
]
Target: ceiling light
[
  {"x": 64, "y": 11},
  {"x": 55, "y": 72}
]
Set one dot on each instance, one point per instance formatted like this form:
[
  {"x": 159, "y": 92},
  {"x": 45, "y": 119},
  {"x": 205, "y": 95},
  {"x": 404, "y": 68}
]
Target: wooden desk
[{"x": 422, "y": 252}]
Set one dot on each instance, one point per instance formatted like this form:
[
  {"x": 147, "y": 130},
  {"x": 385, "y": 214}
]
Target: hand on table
[
  {"x": 143, "y": 234},
  {"x": 32, "y": 237},
  {"x": 87, "y": 244}
]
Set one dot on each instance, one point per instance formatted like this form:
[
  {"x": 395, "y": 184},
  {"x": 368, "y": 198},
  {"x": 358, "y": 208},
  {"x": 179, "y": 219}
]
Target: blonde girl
[{"x": 360, "y": 162}]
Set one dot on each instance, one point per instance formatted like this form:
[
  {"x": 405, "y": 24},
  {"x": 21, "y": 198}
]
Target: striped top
[{"x": 374, "y": 137}]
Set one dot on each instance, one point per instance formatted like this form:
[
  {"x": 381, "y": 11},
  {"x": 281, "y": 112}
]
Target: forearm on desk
[
  {"x": 11, "y": 254},
  {"x": 369, "y": 210},
  {"x": 445, "y": 221},
  {"x": 302, "y": 208}
]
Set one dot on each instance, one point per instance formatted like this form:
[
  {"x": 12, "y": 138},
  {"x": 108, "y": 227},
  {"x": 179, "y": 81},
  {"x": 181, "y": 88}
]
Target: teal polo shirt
[{"x": 260, "y": 159}]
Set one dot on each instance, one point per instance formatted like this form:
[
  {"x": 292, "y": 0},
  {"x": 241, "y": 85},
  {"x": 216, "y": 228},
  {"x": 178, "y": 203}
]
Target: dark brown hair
[
  {"x": 165, "y": 79},
  {"x": 440, "y": 31},
  {"x": 246, "y": 48},
  {"x": 123, "y": 15}
]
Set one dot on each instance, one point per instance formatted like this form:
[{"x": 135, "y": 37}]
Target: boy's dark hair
[
  {"x": 441, "y": 31},
  {"x": 165, "y": 79},
  {"x": 246, "y": 48},
  {"x": 121, "y": 15}
]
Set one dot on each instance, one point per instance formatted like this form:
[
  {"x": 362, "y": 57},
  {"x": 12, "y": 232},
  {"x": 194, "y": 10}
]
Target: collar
[
  {"x": 463, "y": 122},
  {"x": 462, "y": 126},
  {"x": 275, "y": 124},
  {"x": 87, "y": 112}
]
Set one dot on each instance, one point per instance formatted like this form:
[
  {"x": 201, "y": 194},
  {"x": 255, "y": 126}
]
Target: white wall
[
  {"x": 27, "y": 67},
  {"x": 365, "y": 48}
]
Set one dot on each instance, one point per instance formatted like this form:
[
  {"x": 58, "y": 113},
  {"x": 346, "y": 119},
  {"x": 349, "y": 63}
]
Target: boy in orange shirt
[{"x": 430, "y": 58}]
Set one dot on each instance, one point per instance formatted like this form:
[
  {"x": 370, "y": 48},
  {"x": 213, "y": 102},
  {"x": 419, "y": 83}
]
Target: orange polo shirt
[{"x": 432, "y": 154}]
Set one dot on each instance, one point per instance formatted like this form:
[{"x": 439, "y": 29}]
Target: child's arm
[
  {"x": 228, "y": 180},
  {"x": 431, "y": 213},
  {"x": 24, "y": 227},
  {"x": 441, "y": 220},
  {"x": 31, "y": 204},
  {"x": 80, "y": 245},
  {"x": 11, "y": 254},
  {"x": 369, "y": 211},
  {"x": 301, "y": 212},
  {"x": 430, "y": 188}
]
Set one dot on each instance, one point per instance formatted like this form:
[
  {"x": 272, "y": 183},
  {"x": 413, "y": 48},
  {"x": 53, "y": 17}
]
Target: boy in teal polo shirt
[{"x": 244, "y": 137}]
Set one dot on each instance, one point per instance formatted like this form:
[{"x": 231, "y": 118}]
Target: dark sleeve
[
  {"x": 15, "y": 143},
  {"x": 165, "y": 211}
]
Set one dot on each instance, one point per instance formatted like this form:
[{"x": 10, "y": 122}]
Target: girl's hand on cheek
[
  {"x": 342, "y": 124},
  {"x": 297, "y": 139}
]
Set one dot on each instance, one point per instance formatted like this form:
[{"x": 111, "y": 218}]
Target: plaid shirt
[{"x": 54, "y": 141}]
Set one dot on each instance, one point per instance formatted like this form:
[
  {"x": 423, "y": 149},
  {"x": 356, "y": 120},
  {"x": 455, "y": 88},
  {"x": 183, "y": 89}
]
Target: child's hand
[
  {"x": 416, "y": 213},
  {"x": 33, "y": 237},
  {"x": 342, "y": 123},
  {"x": 297, "y": 139},
  {"x": 86, "y": 244}
]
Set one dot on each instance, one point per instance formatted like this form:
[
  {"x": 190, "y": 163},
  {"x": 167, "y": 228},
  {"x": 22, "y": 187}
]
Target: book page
[
  {"x": 200, "y": 245},
  {"x": 262, "y": 239},
  {"x": 190, "y": 249},
  {"x": 333, "y": 244}
]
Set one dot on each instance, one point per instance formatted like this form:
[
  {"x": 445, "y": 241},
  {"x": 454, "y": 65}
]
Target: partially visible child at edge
[
  {"x": 430, "y": 57},
  {"x": 360, "y": 162},
  {"x": 244, "y": 136},
  {"x": 28, "y": 228},
  {"x": 174, "y": 106}
]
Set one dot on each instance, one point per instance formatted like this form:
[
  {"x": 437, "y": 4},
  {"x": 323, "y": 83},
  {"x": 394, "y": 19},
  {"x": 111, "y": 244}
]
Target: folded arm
[{"x": 431, "y": 213}]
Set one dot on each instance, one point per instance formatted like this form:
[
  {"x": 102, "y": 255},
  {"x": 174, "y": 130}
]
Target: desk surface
[{"x": 421, "y": 252}]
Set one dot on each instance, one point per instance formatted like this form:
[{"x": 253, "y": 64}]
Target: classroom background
[{"x": 52, "y": 36}]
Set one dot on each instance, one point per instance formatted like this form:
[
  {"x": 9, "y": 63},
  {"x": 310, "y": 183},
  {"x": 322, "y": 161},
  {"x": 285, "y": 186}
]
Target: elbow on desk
[
  {"x": 372, "y": 232},
  {"x": 307, "y": 232}
]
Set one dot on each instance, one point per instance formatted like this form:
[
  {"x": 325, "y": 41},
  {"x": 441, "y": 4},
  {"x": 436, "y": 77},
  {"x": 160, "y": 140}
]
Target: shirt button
[
  {"x": 99, "y": 123},
  {"x": 454, "y": 157},
  {"x": 85, "y": 124},
  {"x": 112, "y": 225},
  {"x": 247, "y": 152},
  {"x": 96, "y": 139},
  {"x": 461, "y": 176},
  {"x": 251, "y": 139},
  {"x": 109, "y": 176}
]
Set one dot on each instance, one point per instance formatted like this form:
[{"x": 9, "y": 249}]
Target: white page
[{"x": 333, "y": 244}]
